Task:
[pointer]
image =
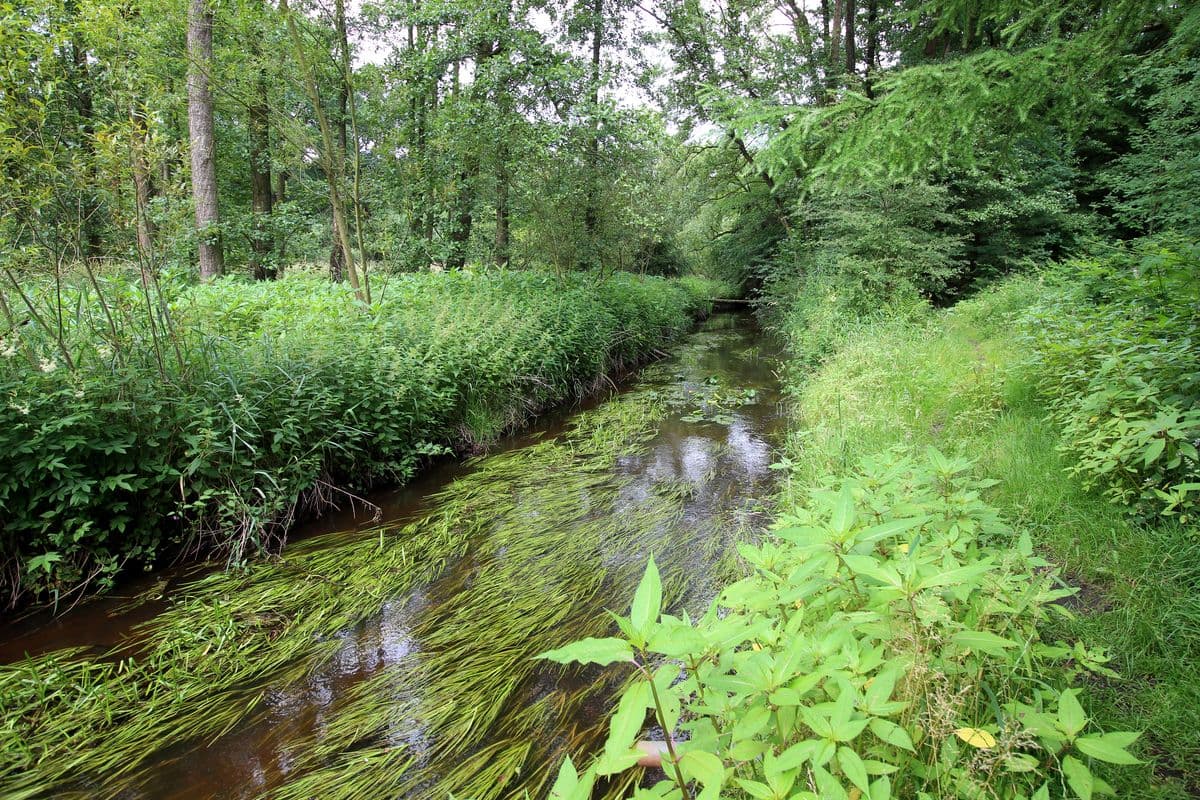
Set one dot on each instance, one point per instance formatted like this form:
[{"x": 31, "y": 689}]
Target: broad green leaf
[
  {"x": 1079, "y": 777},
  {"x": 953, "y": 577},
  {"x": 1108, "y": 747},
  {"x": 829, "y": 787},
  {"x": 756, "y": 789},
  {"x": 1071, "y": 718},
  {"x": 647, "y": 600},
  {"x": 750, "y": 723},
  {"x": 853, "y": 768},
  {"x": 591, "y": 651},
  {"x": 843, "y": 517},
  {"x": 565, "y": 783},
  {"x": 629, "y": 718},
  {"x": 983, "y": 642},
  {"x": 705, "y": 767},
  {"x": 797, "y": 754},
  {"x": 891, "y": 733}
]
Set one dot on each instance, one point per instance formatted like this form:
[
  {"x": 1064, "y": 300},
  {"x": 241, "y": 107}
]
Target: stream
[{"x": 428, "y": 687}]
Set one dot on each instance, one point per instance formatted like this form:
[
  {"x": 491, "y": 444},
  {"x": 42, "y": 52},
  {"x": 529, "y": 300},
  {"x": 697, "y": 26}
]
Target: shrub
[
  {"x": 884, "y": 644},
  {"x": 1117, "y": 359},
  {"x": 210, "y": 420}
]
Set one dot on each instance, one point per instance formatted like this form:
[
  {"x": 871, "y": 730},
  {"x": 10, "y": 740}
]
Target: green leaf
[
  {"x": 647, "y": 600},
  {"x": 627, "y": 722},
  {"x": 843, "y": 517},
  {"x": 591, "y": 651},
  {"x": 983, "y": 642},
  {"x": 570, "y": 785},
  {"x": 891, "y": 733},
  {"x": 1071, "y": 718},
  {"x": 1108, "y": 747},
  {"x": 756, "y": 789},
  {"x": 1154, "y": 450},
  {"x": 1079, "y": 777},
  {"x": 705, "y": 767},
  {"x": 853, "y": 768},
  {"x": 750, "y": 723},
  {"x": 953, "y": 577}
]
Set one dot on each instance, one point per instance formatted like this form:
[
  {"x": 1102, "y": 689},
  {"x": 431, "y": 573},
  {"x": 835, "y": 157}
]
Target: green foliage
[
  {"x": 1116, "y": 357},
  {"x": 885, "y": 643},
  {"x": 213, "y": 422},
  {"x": 1153, "y": 186}
]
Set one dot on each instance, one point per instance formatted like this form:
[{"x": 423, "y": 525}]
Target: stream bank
[{"x": 395, "y": 659}]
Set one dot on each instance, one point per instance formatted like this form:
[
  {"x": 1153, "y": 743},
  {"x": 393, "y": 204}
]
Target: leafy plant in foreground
[{"x": 885, "y": 644}]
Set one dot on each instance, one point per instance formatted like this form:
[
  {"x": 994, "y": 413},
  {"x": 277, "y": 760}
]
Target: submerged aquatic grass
[
  {"x": 536, "y": 539},
  {"x": 77, "y": 725}
]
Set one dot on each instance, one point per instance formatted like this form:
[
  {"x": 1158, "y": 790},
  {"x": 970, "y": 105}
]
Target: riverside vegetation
[
  {"x": 332, "y": 242},
  {"x": 212, "y": 422}
]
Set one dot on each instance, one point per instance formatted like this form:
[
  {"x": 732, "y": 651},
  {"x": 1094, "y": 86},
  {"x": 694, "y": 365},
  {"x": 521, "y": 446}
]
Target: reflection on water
[{"x": 685, "y": 495}]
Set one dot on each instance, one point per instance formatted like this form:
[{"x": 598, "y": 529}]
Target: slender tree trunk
[
  {"x": 355, "y": 155},
  {"x": 835, "y": 43},
  {"x": 430, "y": 189},
  {"x": 260, "y": 184},
  {"x": 203, "y": 144},
  {"x": 89, "y": 223},
  {"x": 278, "y": 197},
  {"x": 337, "y": 260},
  {"x": 851, "y": 50},
  {"x": 591, "y": 214},
  {"x": 143, "y": 182},
  {"x": 464, "y": 215},
  {"x": 503, "y": 254},
  {"x": 872, "y": 47},
  {"x": 332, "y": 162}
]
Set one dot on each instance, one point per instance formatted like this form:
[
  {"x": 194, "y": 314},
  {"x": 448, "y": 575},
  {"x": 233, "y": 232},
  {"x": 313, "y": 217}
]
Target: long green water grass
[
  {"x": 72, "y": 722},
  {"x": 957, "y": 380},
  {"x": 538, "y": 539}
]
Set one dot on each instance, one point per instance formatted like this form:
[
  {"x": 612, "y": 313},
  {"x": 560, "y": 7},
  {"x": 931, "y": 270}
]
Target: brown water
[{"x": 713, "y": 451}]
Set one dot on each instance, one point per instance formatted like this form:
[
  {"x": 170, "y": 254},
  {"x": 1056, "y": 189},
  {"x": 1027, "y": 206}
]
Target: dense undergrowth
[
  {"x": 910, "y": 628},
  {"x": 139, "y": 421}
]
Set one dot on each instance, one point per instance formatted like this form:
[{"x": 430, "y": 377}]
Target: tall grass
[{"x": 139, "y": 421}]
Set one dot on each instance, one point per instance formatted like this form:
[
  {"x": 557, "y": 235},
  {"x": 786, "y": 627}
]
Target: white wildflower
[
  {"x": 49, "y": 365},
  {"x": 8, "y": 349},
  {"x": 104, "y": 351}
]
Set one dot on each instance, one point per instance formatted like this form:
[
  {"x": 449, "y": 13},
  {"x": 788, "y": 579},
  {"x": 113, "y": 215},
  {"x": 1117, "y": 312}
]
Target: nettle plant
[{"x": 885, "y": 644}]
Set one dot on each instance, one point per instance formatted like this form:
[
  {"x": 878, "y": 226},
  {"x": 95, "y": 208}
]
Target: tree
[{"x": 203, "y": 138}]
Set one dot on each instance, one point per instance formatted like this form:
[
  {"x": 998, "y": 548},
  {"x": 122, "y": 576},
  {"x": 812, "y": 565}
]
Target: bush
[
  {"x": 885, "y": 643},
  {"x": 1117, "y": 359},
  {"x": 212, "y": 420}
]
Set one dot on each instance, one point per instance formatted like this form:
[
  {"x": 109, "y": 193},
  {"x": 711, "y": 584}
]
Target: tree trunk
[
  {"x": 835, "y": 43},
  {"x": 464, "y": 216},
  {"x": 872, "y": 47},
  {"x": 277, "y": 198},
  {"x": 337, "y": 259},
  {"x": 202, "y": 138},
  {"x": 332, "y": 163},
  {"x": 260, "y": 184},
  {"x": 89, "y": 222},
  {"x": 851, "y": 50},
  {"x": 502, "y": 250},
  {"x": 143, "y": 184},
  {"x": 591, "y": 215}
]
